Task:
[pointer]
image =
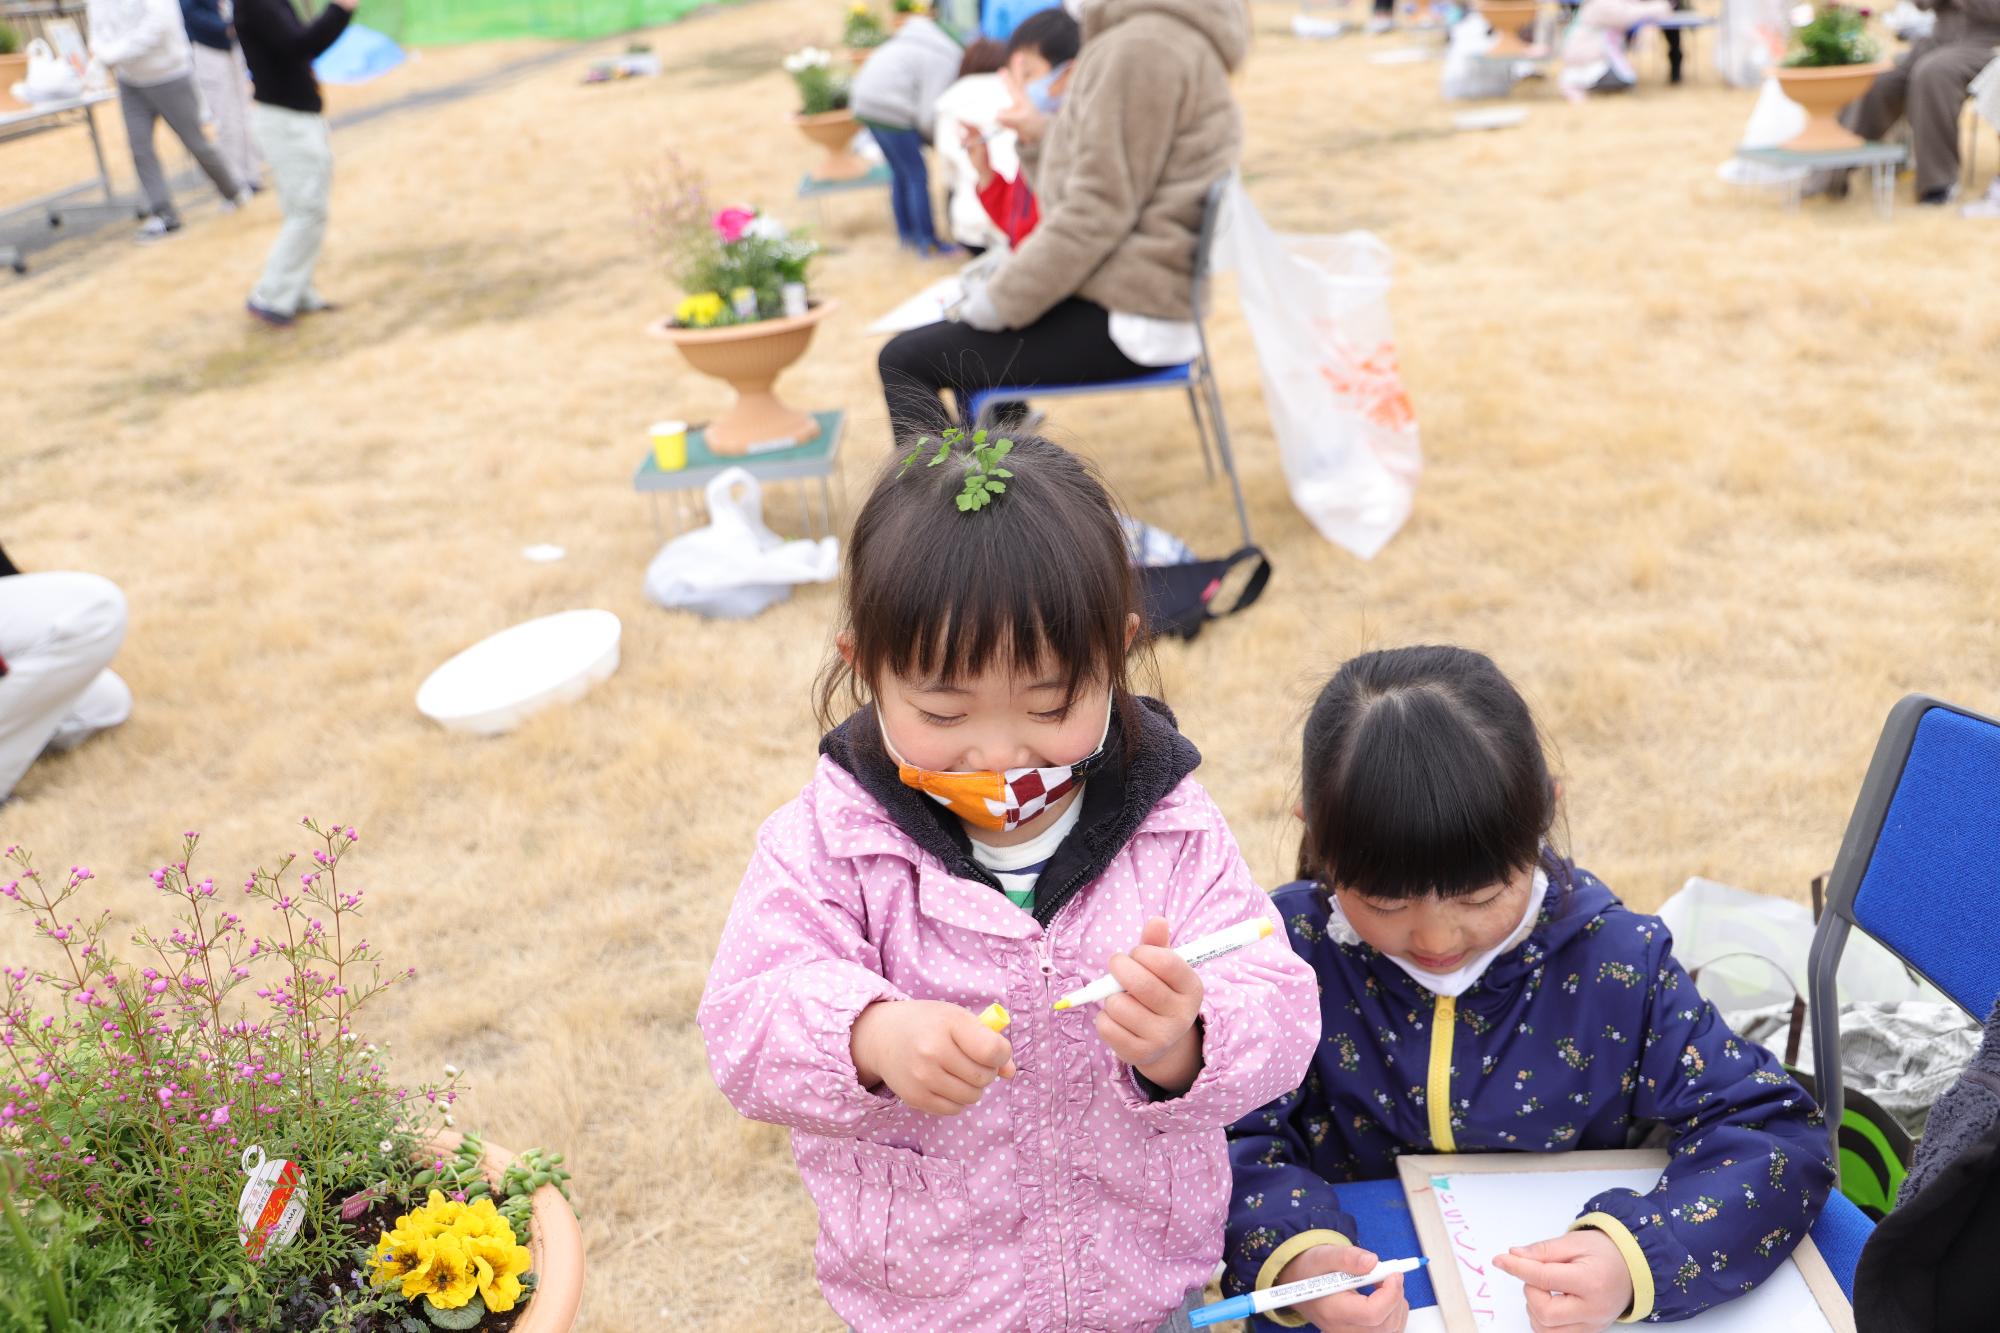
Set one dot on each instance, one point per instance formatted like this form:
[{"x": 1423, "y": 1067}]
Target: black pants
[{"x": 1069, "y": 345}]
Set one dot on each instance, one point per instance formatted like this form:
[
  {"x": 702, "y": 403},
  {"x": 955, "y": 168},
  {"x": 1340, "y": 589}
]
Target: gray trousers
[
  {"x": 300, "y": 156},
  {"x": 1929, "y": 84},
  {"x": 177, "y": 103}
]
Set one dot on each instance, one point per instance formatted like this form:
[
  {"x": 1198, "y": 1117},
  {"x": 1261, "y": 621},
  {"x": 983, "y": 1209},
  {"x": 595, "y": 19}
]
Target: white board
[
  {"x": 1485, "y": 1208},
  {"x": 929, "y": 306}
]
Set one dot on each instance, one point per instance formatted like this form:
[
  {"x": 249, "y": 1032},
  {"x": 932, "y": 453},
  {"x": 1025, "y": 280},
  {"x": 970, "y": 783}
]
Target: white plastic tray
[{"x": 494, "y": 685}]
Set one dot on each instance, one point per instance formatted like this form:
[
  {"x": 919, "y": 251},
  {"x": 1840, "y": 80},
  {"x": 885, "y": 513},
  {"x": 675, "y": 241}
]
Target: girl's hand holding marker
[
  {"x": 1152, "y": 997},
  {"x": 935, "y": 1056}
]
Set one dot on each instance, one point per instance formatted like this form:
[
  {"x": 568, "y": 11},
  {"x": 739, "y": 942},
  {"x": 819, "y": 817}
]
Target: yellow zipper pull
[{"x": 1437, "y": 1098}]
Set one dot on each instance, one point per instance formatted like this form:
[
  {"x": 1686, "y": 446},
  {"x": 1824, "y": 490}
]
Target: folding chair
[
  {"x": 1196, "y": 377},
  {"x": 1919, "y": 870}
]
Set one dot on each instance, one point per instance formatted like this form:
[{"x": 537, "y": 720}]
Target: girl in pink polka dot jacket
[{"x": 1003, "y": 820}]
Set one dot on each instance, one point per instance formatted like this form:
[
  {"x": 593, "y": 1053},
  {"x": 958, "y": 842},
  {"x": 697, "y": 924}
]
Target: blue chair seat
[{"x": 1166, "y": 377}]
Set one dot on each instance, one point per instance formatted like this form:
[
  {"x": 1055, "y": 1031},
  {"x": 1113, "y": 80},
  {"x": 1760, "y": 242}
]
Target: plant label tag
[{"x": 273, "y": 1203}]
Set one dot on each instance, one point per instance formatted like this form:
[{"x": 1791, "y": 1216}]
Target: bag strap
[{"x": 1260, "y": 577}]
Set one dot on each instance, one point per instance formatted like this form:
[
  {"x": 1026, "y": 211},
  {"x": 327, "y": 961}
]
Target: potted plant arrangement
[
  {"x": 823, "y": 115},
  {"x": 862, "y": 32},
  {"x": 13, "y": 64},
  {"x": 195, "y": 1135},
  {"x": 1833, "y": 61},
  {"x": 905, "y": 10},
  {"x": 746, "y": 313}
]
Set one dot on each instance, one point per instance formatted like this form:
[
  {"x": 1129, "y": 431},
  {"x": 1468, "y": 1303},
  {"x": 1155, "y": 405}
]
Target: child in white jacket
[{"x": 144, "y": 43}]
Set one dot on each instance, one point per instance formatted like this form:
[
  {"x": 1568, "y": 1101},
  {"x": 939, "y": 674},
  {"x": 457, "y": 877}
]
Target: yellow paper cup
[{"x": 670, "y": 445}]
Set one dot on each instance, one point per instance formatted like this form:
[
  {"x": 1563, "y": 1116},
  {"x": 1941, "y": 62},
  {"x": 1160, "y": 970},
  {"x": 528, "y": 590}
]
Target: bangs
[
  {"x": 1037, "y": 583},
  {"x": 1421, "y": 802}
]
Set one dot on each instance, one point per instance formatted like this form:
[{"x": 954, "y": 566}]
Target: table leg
[
  {"x": 97, "y": 147},
  {"x": 826, "y": 502},
  {"x": 659, "y": 531},
  {"x": 1885, "y": 189}
]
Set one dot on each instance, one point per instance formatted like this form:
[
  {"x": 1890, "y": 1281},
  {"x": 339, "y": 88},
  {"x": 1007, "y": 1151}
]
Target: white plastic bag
[
  {"x": 1468, "y": 75},
  {"x": 736, "y": 567},
  {"x": 50, "y": 78},
  {"x": 1773, "y": 120},
  {"x": 1318, "y": 310},
  {"x": 1751, "y": 949}
]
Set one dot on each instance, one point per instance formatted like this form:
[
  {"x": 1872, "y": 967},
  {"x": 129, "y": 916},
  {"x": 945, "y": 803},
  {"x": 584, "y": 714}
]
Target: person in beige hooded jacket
[{"x": 1103, "y": 287}]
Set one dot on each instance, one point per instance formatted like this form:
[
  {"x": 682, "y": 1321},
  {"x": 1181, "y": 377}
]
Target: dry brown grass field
[{"x": 1712, "y": 481}]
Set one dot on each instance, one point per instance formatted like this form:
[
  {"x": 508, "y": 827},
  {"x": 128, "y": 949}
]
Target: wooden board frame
[{"x": 1416, "y": 1171}]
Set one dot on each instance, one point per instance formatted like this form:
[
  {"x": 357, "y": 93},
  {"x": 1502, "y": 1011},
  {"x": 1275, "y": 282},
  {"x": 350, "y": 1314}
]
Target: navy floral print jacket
[{"x": 1586, "y": 1035}]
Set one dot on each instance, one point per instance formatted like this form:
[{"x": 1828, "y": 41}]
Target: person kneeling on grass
[
  {"x": 1481, "y": 993},
  {"x": 58, "y": 634},
  {"x": 291, "y": 133}
]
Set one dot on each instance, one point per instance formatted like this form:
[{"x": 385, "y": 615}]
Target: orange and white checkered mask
[{"x": 991, "y": 799}]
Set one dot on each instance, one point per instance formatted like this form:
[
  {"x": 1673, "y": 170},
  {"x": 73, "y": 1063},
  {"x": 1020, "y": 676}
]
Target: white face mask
[{"x": 1459, "y": 980}]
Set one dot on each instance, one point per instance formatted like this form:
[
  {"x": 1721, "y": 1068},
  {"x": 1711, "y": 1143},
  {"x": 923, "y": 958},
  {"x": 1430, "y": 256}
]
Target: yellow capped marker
[
  {"x": 1206, "y": 949},
  {"x": 996, "y": 1017}
]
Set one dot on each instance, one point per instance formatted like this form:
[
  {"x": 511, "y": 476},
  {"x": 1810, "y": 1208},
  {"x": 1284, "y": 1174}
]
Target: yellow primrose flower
[
  {"x": 699, "y": 311},
  {"x": 453, "y": 1279},
  {"x": 499, "y": 1263}
]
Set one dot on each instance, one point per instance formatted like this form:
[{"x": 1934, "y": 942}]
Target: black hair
[
  {"x": 984, "y": 56},
  {"x": 1423, "y": 773},
  {"x": 1052, "y": 32},
  {"x": 1039, "y": 577}
]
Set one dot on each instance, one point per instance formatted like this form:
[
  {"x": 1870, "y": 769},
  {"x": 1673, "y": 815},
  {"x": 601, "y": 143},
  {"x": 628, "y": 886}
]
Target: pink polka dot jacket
[{"x": 1071, "y": 1196}]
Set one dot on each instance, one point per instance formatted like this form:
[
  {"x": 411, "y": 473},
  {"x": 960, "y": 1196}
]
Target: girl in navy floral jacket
[{"x": 1481, "y": 994}]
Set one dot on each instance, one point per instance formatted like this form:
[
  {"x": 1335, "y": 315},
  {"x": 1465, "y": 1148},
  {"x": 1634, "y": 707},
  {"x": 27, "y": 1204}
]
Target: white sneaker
[
  {"x": 1986, "y": 206},
  {"x": 156, "y": 229},
  {"x": 1379, "y": 25},
  {"x": 241, "y": 199}
]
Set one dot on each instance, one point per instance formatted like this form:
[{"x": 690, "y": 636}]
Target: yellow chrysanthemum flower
[{"x": 699, "y": 311}]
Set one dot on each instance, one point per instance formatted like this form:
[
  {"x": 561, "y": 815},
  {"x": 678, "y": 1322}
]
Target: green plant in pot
[{"x": 1834, "y": 60}]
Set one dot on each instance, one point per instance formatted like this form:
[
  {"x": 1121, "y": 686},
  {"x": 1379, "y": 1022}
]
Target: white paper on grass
[
  {"x": 1318, "y": 310},
  {"x": 1486, "y": 1214}
]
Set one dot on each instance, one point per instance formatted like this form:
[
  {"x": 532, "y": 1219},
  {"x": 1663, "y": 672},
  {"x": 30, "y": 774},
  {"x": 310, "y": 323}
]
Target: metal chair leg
[
  {"x": 1200, "y": 429},
  {"x": 1228, "y": 457}
]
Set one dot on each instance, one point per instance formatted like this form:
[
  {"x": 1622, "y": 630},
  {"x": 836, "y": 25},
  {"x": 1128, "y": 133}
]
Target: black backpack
[
  {"x": 1929, "y": 1266},
  {"x": 1180, "y": 599}
]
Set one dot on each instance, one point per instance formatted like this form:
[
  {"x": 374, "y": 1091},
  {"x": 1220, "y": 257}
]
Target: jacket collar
[{"x": 1119, "y": 795}]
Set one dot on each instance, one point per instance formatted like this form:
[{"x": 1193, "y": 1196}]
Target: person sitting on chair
[
  {"x": 1102, "y": 289},
  {"x": 1929, "y": 85}
]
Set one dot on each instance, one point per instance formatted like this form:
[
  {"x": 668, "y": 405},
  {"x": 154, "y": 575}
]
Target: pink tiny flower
[{"x": 218, "y": 1117}]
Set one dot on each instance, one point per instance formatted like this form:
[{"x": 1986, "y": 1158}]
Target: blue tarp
[
  {"x": 1003, "y": 16},
  {"x": 360, "y": 54}
]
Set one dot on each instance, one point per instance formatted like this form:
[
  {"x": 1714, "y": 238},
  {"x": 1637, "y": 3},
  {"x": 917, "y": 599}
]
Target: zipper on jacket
[
  {"x": 1052, "y": 1159},
  {"x": 1437, "y": 1097}
]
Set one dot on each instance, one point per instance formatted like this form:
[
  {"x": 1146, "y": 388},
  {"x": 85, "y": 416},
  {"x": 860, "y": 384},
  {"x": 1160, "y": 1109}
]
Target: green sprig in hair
[{"x": 984, "y": 477}]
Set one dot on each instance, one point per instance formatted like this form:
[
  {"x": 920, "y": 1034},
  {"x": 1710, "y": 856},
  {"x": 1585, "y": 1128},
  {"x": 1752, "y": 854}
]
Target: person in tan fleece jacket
[{"x": 1103, "y": 287}]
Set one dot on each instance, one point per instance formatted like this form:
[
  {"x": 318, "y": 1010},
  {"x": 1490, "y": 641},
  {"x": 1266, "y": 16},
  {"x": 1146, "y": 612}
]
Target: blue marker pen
[{"x": 1292, "y": 1293}]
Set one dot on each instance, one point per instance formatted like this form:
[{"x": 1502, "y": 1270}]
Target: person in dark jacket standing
[
  {"x": 292, "y": 134},
  {"x": 218, "y": 72},
  {"x": 1481, "y": 993}
]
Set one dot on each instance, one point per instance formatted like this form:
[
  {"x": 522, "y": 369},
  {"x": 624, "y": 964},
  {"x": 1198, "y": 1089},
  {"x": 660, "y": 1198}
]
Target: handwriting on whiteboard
[{"x": 1472, "y": 1257}]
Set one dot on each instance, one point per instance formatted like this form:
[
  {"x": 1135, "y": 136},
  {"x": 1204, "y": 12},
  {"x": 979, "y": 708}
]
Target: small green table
[
  {"x": 811, "y": 186},
  {"x": 1880, "y": 159},
  {"x": 800, "y": 463}
]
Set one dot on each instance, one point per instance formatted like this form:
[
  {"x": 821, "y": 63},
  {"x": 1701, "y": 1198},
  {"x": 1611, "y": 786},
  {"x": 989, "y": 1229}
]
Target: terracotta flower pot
[
  {"x": 556, "y": 1242},
  {"x": 1823, "y": 90},
  {"x": 833, "y": 131},
  {"x": 1508, "y": 17},
  {"x": 749, "y": 358},
  {"x": 13, "y": 70}
]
